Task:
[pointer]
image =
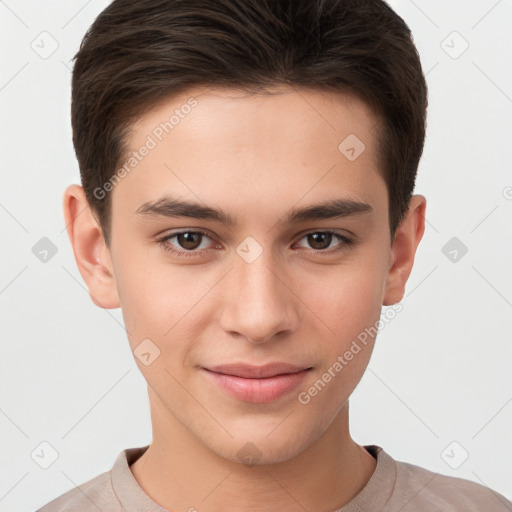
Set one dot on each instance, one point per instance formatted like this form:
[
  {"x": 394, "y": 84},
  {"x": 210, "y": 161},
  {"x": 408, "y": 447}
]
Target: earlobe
[
  {"x": 91, "y": 253},
  {"x": 403, "y": 249}
]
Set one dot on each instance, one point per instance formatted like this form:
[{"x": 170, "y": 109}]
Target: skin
[{"x": 256, "y": 157}]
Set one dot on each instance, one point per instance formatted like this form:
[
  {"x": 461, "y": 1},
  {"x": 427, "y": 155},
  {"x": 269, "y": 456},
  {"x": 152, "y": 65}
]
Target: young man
[{"x": 247, "y": 171}]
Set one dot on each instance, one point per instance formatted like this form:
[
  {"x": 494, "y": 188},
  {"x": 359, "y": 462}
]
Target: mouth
[
  {"x": 257, "y": 384},
  {"x": 257, "y": 372}
]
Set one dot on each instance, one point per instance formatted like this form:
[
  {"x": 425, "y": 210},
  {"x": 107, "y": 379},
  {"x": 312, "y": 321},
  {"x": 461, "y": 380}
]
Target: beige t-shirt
[{"x": 393, "y": 487}]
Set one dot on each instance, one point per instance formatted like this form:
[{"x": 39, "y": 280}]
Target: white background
[{"x": 441, "y": 371}]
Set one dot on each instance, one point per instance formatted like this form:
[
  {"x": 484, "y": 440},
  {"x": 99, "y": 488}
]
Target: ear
[
  {"x": 91, "y": 253},
  {"x": 403, "y": 248}
]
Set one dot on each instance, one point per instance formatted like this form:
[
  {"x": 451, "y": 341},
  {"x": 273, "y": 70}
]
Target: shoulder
[
  {"x": 95, "y": 494},
  {"x": 417, "y": 488}
]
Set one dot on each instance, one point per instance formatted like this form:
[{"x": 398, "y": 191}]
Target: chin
[{"x": 257, "y": 446}]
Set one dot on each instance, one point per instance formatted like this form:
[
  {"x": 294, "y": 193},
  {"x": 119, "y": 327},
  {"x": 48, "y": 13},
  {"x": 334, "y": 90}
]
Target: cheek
[
  {"x": 145, "y": 296},
  {"x": 158, "y": 301},
  {"x": 349, "y": 298},
  {"x": 347, "y": 307}
]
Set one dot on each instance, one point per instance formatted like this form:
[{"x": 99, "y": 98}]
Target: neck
[{"x": 180, "y": 473}]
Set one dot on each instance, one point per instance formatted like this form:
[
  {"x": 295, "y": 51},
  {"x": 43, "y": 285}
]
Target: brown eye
[
  {"x": 186, "y": 243},
  {"x": 319, "y": 240},
  {"x": 322, "y": 240},
  {"x": 189, "y": 240}
]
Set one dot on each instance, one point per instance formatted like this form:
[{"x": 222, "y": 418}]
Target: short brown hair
[{"x": 137, "y": 52}]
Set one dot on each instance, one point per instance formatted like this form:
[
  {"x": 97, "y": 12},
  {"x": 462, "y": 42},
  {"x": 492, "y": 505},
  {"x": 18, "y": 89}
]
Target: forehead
[
  {"x": 231, "y": 114},
  {"x": 287, "y": 142}
]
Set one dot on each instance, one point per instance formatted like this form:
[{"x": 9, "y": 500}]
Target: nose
[{"x": 259, "y": 301}]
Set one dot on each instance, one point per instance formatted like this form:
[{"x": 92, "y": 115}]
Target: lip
[
  {"x": 257, "y": 384},
  {"x": 256, "y": 372}
]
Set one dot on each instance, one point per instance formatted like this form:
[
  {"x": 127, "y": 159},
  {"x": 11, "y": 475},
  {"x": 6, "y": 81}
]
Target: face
[{"x": 281, "y": 254}]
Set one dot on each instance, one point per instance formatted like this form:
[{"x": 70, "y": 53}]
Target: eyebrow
[{"x": 330, "y": 209}]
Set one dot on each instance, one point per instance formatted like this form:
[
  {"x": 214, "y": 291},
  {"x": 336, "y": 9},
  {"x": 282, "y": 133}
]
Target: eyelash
[{"x": 163, "y": 241}]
